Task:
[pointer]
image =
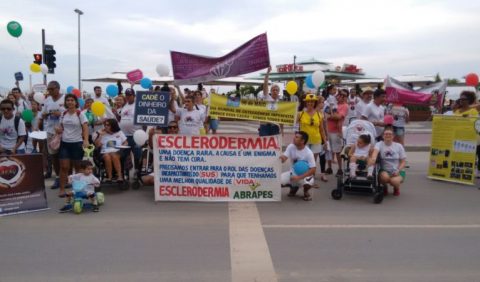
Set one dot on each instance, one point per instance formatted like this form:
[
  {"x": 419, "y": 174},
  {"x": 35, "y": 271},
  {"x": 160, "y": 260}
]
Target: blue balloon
[
  {"x": 300, "y": 167},
  {"x": 112, "y": 90},
  {"x": 146, "y": 83},
  {"x": 309, "y": 82},
  {"x": 81, "y": 102},
  {"x": 70, "y": 89}
]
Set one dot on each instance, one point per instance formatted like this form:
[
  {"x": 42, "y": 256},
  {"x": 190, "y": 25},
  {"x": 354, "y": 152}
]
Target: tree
[{"x": 452, "y": 81}]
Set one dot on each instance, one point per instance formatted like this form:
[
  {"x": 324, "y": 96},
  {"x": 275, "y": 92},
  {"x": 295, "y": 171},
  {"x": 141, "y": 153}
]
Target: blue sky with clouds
[{"x": 382, "y": 37}]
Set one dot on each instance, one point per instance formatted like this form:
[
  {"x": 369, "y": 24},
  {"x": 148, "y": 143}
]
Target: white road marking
[
  {"x": 373, "y": 226},
  {"x": 249, "y": 254}
]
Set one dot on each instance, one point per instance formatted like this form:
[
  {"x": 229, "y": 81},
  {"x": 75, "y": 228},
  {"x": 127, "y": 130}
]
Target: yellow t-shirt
[
  {"x": 470, "y": 113},
  {"x": 311, "y": 126}
]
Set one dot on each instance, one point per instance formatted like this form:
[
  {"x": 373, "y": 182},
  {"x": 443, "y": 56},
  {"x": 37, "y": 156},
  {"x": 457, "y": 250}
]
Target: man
[
  {"x": 375, "y": 112},
  {"x": 298, "y": 151},
  {"x": 52, "y": 111},
  {"x": 99, "y": 97},
  {"x": 127, "y": 124},
  {"x": 366, "y": 98},
  {"x": 268, "y": 129},
  {"x": 12, "y": 130},
  {"x": 22, "y": 104}
]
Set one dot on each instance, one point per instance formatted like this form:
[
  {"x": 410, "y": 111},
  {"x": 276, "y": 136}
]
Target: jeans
[{"x": 137, "y": 151}]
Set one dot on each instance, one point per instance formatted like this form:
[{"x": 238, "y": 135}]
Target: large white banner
[{"x": 217, "y": 168}]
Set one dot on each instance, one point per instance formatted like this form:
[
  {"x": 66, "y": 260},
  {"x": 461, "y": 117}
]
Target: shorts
[
  {"x": 213, "y": 124},
  {"x": 285, "y": 179},
  {"x": 71, "y": 151},
  {"x": 316, "y": 148},
  {"x": 50, "y": 150},
  {"x": 336, "y": 142},
  {"x": 398, "y": 131},
  {"x": 401, "y": 174}
]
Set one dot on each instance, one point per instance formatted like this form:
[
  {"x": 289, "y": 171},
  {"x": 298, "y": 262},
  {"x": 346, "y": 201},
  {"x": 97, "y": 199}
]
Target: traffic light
[
  {"x": 37, "y": 59},
  {"x": 50, "y": 58}
]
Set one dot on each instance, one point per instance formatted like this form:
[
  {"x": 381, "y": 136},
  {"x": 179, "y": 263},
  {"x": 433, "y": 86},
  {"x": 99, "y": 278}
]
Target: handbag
[{"x": 54, "y": 143}]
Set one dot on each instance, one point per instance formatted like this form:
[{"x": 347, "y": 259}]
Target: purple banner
[
  {"x": 250, "y": 57},
  {"x": 430, "y": 95}
]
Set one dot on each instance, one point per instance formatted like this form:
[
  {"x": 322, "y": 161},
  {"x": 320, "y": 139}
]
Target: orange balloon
[{"x": 77, "y": 92}]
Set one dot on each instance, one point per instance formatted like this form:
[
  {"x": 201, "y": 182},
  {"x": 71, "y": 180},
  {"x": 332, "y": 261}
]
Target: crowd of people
[{"x": 320, "y": 119}]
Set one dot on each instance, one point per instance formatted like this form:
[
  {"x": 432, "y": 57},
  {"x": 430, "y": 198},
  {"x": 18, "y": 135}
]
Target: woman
[
  {"x": 118, "y": 104},
  {"x": 400, "y": 118},
  {"x": 109, "y": 138},
  {"x": 311, "y": 122},
  {"x": 467, "y": 107},
  {"x": 74, "y": 130},
  {"x": 392, "y": 161}
]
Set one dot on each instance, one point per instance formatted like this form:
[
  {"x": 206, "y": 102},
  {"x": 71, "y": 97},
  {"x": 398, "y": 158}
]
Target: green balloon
[
  {"x": 14, "y": 28},
  {"x": 27, "y": 115}
]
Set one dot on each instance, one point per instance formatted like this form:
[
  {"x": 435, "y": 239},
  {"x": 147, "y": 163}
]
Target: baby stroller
[{"x": 361, "y": 184}]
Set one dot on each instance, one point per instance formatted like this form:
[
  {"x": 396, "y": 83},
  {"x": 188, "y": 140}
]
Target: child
[
  {"x": 361, "y": 153},
  {"x": 86, "y": 176}
]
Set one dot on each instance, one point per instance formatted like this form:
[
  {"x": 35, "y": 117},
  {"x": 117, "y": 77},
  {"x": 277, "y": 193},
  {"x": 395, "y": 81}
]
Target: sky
[{"x": 382, "y": 37}]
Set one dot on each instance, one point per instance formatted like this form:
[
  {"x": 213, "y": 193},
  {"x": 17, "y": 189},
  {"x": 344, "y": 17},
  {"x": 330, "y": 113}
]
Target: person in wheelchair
[
  {"x": 109, "y": 139},
  {"x": 360, "y": 156}
]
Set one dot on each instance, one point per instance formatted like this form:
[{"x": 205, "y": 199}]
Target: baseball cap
[{"x": 129, "y": 91}]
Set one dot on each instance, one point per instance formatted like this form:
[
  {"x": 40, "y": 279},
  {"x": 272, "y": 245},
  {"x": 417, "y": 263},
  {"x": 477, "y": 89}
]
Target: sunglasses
[
  {"x": 6, "y": 109},
  {"x": 312, "y": 121}
]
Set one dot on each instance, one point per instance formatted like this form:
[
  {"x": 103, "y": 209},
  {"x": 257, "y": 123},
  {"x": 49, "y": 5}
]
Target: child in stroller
[{"x": 360, "y": 156}]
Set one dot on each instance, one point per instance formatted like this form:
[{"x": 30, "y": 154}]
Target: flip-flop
[
  {"x": 62, "y": 195},
  {"x": 307, "y": 198}
]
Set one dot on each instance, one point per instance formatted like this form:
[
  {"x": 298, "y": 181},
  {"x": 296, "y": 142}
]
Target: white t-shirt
[
  {"x": 375, "y": 113},
  {"x": 72, "y": 127},
  {"x": 190, "y": 121},
  {"x": 360, "y": 108},
  {"x": 50, "y": 106},
  {"x": 390, "y": 156},
  {"x": 101, "y": 99},
  {"x": 352, "y": 108},
  {"x": 400, "y": 115},
  {"x": 272, "y": 104},
  {"x": 171, "y": 115},
  {"x": 90, "y": 180},
  {"x": 22, "y": 105},
  {"x": 126, "y": 120},
  {"x": 294, "y": 155},
  {"x": 111, "y": 141},
  {"x": 8, "y": 134},
  {"x": 201, "y": 107}
]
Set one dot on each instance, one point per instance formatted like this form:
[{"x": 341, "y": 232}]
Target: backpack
[{"x": 16, "y": 122}]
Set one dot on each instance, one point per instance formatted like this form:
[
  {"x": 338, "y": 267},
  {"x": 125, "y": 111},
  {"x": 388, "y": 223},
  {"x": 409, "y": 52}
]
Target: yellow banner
[
  {"x": 274, "y": 112},
  {"x": 453, "y": 149}
]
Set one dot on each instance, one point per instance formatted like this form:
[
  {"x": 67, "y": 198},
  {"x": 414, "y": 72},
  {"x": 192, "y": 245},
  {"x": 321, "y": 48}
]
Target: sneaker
[
  {"x": 48, "y": 175},
  {"x": 95, "y": 208},
  {"x": 339, "y": 172},
  {"x": 56, "y": 184},
  {"x": 329, "y": 171},
  {"x": 396, "y": 192},
  {"x": 65, "y": 208}
]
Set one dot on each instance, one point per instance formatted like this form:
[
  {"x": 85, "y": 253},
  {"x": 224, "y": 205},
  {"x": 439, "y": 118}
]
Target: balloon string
[{"x": 23, "y": 48}]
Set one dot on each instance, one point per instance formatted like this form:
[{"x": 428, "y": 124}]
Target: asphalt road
[{"x": 429, "y": 233}]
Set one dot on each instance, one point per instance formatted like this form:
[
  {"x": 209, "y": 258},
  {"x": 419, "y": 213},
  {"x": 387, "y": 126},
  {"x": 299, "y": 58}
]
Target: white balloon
[
  {"x": 39, "y": 97},
  {"x": 44, "y": 68},
  {"x": 162, "y": 70},
  {"x": 318, "y": 77},
  {"x": 140, "y": 137}
]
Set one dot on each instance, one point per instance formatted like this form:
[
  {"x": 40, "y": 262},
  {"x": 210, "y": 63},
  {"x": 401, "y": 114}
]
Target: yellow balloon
[
  {"x": 291, "y": 87},
  {"x": 35, "y": 68},
  {"x": 98, "y": 108}
]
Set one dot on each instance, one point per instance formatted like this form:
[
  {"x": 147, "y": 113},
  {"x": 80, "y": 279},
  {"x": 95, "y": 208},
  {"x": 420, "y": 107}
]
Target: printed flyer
[
  {"x": 453, "y": 149},
  {"x": 217, "y": 168}
]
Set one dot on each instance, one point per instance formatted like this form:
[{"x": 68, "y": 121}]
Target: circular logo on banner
[{"x": 12, "y": 171}]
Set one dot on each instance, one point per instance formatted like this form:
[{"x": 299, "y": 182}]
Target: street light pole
[{"x": 79, "y": 12}]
